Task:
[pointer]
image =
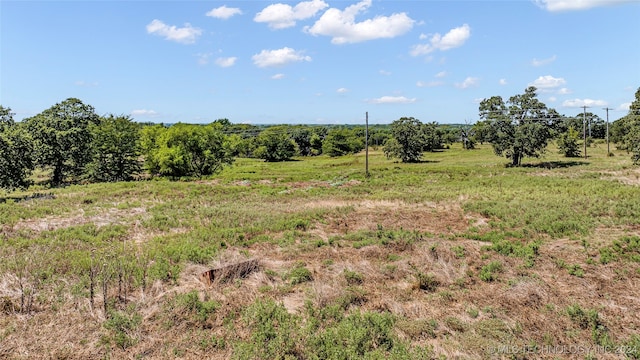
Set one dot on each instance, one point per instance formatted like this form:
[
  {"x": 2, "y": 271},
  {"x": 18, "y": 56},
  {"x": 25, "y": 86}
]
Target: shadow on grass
[
  {"x": 417, "y": 162},
  {"x": 27, "y": 197},
  {"x": 555, "y": 164}
]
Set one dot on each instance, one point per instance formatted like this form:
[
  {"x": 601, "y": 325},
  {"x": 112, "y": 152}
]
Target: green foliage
[
  {"x": 185, "y": 150},
  {"x": 353, "y": 277},
  {"x": 275, "y": 144},
  {"x": 342, "y": 141},
  {"x": 627, "y": 247},
  {"x": 488, "y": 272},
  {"x": 626, "y": 131},
  {"x": 16, "y": 150},
  {"x": 408, "y": 140},
  {"x": 299, "y": 274},
  {"x": 115, "y": 149},
  {"x": 123, "y": 326},
  {"x": 190, "y": 304},
  {"x": 520, "y": 129},
  {"x": 568, "y": 143},
  {"x": 62, "y": 138}
]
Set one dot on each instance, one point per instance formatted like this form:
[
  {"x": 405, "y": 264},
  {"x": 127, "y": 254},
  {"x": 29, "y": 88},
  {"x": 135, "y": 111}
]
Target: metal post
[
  {"x": 608, "y": 151},
  {"x": 366, "y": 144}
]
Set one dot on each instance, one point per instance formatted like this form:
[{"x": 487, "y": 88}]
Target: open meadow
[{"x": 458, "y": 256}]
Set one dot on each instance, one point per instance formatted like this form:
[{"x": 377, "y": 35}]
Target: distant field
[{"x": 455, "y": 257}]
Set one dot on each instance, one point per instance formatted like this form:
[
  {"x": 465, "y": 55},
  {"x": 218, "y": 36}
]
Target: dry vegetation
[{"x": 449, "y": 259}]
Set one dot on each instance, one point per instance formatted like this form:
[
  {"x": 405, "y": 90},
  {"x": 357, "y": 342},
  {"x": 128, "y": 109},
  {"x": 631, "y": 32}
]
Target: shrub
[{"x": 488, "y": 272}]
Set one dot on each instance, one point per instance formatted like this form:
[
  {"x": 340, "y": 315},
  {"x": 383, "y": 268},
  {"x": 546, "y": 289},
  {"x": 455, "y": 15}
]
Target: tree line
[{"x": 74, "y": 144}]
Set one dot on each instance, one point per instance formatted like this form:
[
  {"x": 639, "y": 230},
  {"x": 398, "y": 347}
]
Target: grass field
[{"x": 455, "y": 257}]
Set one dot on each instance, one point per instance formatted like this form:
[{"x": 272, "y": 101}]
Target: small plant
[
  {"x": 299, "y": 274},
  {"x": 488, "y": 272},
  {"x": 575, "y": 270},
  {"x": 473, "y": 312},
  {"x": 458, "y": 251},
  {"x": 352, "y": 277},
  {"x": 427, "y": 282},
  {"x": 123, "y": 326}
]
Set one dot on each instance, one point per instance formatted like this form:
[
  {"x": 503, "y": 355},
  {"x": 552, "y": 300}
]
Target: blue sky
[{"x": 317, "y": 61}]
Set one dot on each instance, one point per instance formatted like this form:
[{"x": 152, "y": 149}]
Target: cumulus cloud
[
  {"x": 282, "y": 16},
  {"x": 185, "y": 35},
  {"x": 502, "y": 82},
  {"x": 624, "y": 106},
  {"x": 385, "y": 72},
  {"x": 467, "y": 83},
  {"x": 429, "y": 84},
  {"x": 535, "y": 62},
  {"x": 392, "y": 100},
  {"x": 454, "y": 38},
  {"x": 564, "y": 91},
  {"x": 342, "y": 90},
  {"x": 568, "y": 5},
  {"x": 548, "y": 82},
  {"x": 144, "y": 113},
  {"x": 553, "y": 99},
  {"x": 279, "y": 57},
  {"x": 341, "y": 25},
  {"x": 277, "y": 77},
  {"x": 441, "y": 74},
  {"x": 223, "y": 12},
  {"x": 583, "y": 102},
  {"x": 226, "y": 61}
]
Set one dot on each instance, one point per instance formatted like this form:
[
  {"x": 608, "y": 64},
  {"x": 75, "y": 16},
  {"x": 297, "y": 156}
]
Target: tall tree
[
  {"x": 15, "y": 153},
  {"x": 342, "y": 141},
  {"x": 115, "y": 149},
  {"x": 519, "y": 128},
  {"x": 62, "y": 139},
  {"x": 625, "y": 132},
  {"x": 408, "y": 140}
]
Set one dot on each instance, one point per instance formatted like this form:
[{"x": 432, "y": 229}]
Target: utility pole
[
  {"x": 366, "y": 143},
  {"x": 607, "y": 109},
  {"x": 584, "y": 128}
]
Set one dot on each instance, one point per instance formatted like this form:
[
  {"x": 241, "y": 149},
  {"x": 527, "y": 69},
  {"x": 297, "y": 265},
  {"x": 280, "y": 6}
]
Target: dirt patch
[
  {"x": 627, "y": 177},
  {"x": 108, "y": 217}
]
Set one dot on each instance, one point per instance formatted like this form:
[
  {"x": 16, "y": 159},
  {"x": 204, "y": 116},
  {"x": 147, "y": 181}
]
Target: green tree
[
  {"x": 62, "y": 139},
  {"x": 115, "y": 149},
  {"x": 408, "y": 140},
  {"x": 185, "y": 150},
  {"x": 521, "y": 127},
  {"x": 275, "y": 144},
  {"x": 16, "y": 150},
  {"x": 568, "y": 143},
  {"x": 342, "y": 141},
  {"x": 302, "y": 137},
  {"x": 625, "y": 132}
]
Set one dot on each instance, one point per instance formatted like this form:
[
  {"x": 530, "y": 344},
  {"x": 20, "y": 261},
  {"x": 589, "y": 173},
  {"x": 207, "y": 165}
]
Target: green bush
[
  {"x": 488, "y": 272},
  {"x": 123, "y": 326}
]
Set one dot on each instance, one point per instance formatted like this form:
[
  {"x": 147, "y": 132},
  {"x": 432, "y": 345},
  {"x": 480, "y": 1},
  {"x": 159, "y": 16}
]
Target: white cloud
[
  {"x": 564, "y": 91},
  {"x": 342, "y": 90},
  {"x": 553, "y": 99},
  {"x": 203, "y": 59},
  {"x": 343, "y": 28},
  {"x": 385, "y": 72},
  {"x": 568, "y": 5},
  {"x": 144, "y": 113},
  {"x": 226, "y": 62},
  {"x": 184, "y": 35},
  {"x": 467, "y": 83},
  {"x": 441, "y": 74},
  {"x": 535, "y": 62},
  {"x": 392, "y": 100},
  {"x": 278, "y": 57},
  {"x": 548, "y": 82},
  {"x": 502, "y": 81},
  {"x": 224, "y": 12},
  {"x": 429, "y": 84},
  {"x": 624, "y": 106},
  {"x": 454, "y": 38},
  {"x": 281, "y": 16},
  {"x": 277, "y": 76},
  {"x": 583, "y": 102},
  {"x": 85, "y": 83}
]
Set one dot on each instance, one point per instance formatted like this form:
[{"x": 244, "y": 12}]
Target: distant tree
[
  {"x": 317, "y": 138},
  {"x": 185, "y": 150},
  {"x": 435, "y": 136},
  {"x": 342, "y": 141},
  {"x": 482, "y": 131},
  {"x": 625, "y": 132},
  {"x": 568, "y": 143},
  {"x": 520, "y": 128},
  {"x": 302, "y": 137},
  {"x": 16, "y": 150},
  {"x": 408, "y": 140},
  {"x": 115, "y": 148},
  {"x": 275, "y": 144},
  {"x": 62, "y": 139}
]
